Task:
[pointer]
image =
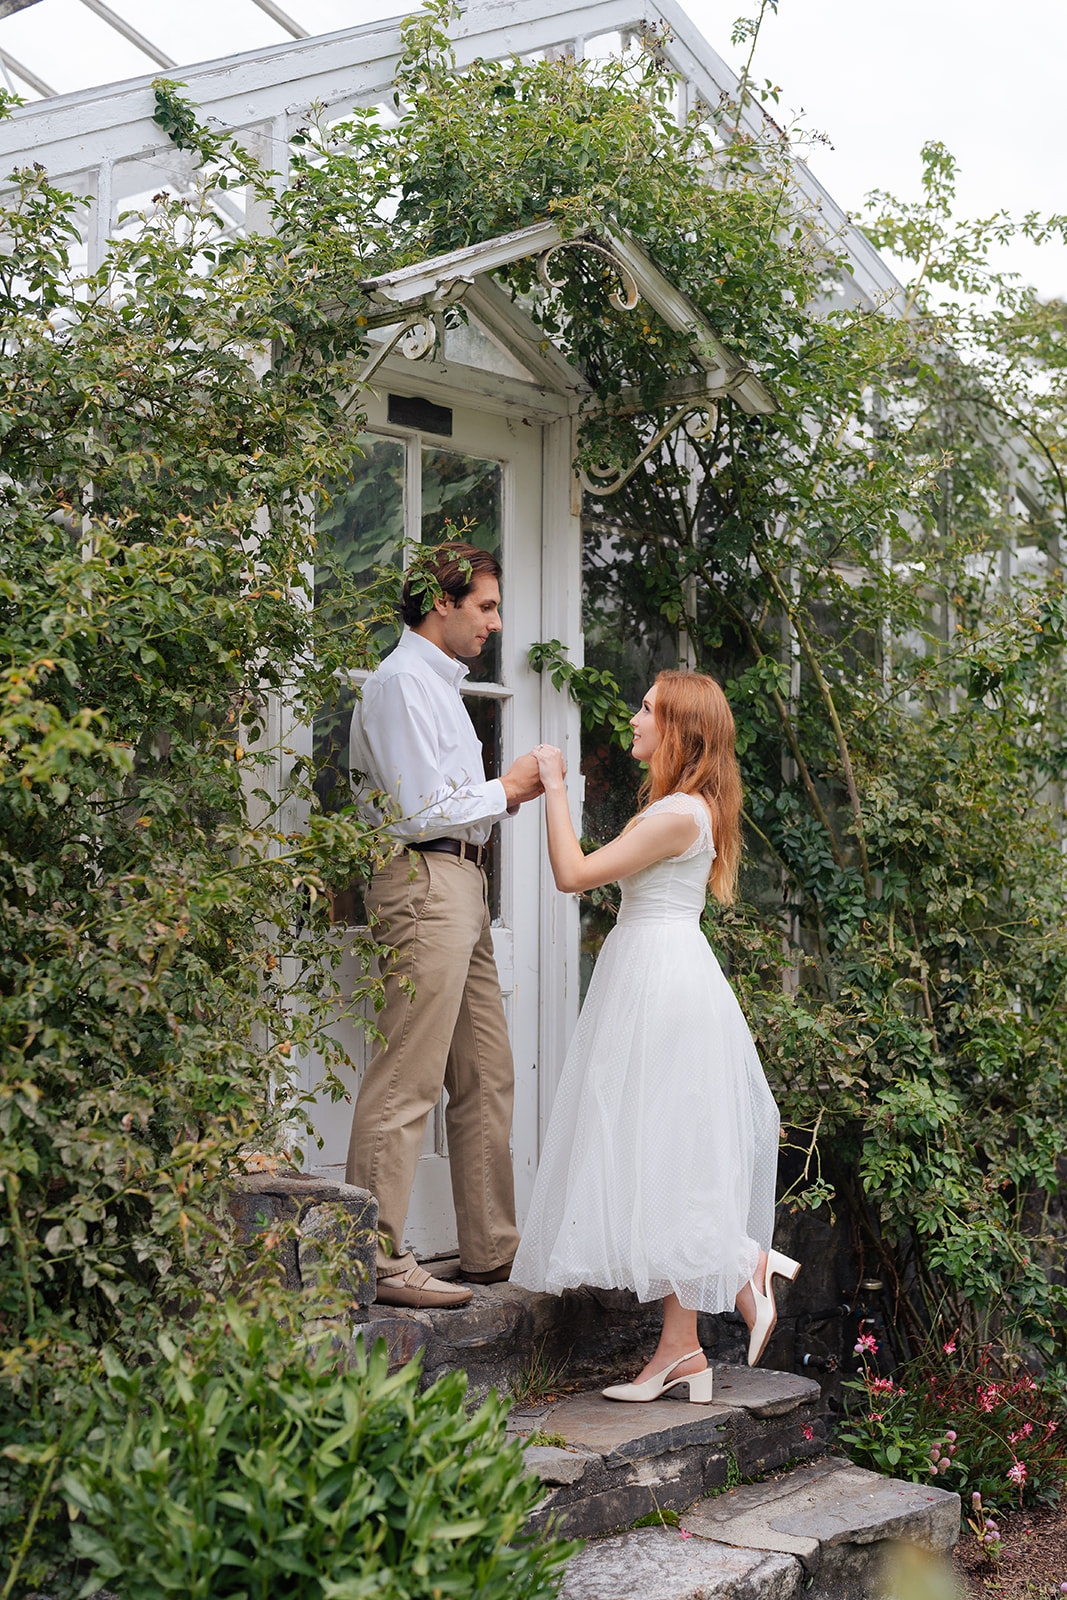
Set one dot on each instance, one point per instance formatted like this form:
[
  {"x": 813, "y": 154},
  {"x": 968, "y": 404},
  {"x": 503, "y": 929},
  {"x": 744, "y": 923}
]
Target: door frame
[{"x": 539, "y": 941}]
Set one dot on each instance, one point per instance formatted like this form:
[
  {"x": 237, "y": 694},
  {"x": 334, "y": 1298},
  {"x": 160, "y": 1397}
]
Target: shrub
[
  {"x": 243, "y": 1464},
  {"x": 964, "y": 1428}
]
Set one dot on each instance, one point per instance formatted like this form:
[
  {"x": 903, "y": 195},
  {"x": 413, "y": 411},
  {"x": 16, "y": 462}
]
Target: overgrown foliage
[
  {"x": 874, "y": 574},
  {"x": 238, "y": 1466},
  {"x": 163, "y": 947}
]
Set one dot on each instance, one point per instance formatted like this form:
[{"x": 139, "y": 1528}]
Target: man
[{"x": 413, "y": 740}]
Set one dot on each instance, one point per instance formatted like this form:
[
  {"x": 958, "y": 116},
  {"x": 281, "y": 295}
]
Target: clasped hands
[{"x": 527, "y": 777}]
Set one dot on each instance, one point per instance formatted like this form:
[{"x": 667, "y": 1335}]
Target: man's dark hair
[{"x": 453, "y": 569}]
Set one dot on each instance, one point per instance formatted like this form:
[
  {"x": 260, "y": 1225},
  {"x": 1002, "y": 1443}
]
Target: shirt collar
[{"x": 445, "y": 666}]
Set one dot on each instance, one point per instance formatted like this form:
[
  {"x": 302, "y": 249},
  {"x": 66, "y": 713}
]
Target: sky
[{"x": 985, "y": 77}]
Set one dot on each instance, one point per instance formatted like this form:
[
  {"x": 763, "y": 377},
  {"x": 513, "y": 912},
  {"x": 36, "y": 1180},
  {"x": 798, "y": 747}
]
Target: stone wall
[{"x": 309, "y": 1213}]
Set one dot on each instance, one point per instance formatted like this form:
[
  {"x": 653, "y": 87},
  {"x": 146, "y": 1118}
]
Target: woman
[{"x": 659, "y": 1166}]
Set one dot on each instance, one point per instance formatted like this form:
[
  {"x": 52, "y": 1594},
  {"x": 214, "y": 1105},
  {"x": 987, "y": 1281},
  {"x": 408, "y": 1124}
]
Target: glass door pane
[
  {"x": 462, "y": 496},
  {"x": 361, "y": 528}
]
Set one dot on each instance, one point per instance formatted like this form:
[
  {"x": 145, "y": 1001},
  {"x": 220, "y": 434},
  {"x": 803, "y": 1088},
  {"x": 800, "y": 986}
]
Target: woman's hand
[{"x": 550, "y": 764}]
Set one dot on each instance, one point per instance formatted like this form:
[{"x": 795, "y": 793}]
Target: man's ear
[{"x": 442, "y": 602}]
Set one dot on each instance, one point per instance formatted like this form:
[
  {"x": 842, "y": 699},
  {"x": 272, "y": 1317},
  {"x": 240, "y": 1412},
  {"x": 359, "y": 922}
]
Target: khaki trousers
[{"x": 449, "y": 1033}]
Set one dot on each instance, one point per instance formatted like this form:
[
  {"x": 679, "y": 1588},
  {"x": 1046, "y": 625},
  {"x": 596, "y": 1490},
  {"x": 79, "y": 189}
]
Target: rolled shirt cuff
[{"x": 497, "y": 794}]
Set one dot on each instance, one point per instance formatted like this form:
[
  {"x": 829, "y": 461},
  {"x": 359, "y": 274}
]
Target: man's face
[{"x": 467, "y": 624}]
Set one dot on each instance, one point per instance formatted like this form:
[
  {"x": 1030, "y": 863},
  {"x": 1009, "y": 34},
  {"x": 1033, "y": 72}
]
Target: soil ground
[{"x": 1033, "y": 1560}]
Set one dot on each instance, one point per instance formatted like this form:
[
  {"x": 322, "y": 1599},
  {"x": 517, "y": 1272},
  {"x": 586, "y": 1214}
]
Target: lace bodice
[{"x": 674, "y": 889}]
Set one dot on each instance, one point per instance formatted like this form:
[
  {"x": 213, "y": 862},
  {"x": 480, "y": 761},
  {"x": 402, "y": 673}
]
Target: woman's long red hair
[{"x": 696, "y": 755}]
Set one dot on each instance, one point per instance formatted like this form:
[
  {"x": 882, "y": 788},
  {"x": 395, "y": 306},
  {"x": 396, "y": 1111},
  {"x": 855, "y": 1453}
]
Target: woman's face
[{"x": 646, "y": 732}]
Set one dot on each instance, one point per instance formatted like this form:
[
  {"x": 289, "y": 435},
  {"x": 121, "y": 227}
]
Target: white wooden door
[{"x": 486, "y": 467}]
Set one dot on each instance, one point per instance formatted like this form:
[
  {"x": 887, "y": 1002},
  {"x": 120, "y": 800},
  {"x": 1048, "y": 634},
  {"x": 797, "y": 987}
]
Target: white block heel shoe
[
  {"x": 700, "y": 1384},
  {"x": 766, "y": 1310}
]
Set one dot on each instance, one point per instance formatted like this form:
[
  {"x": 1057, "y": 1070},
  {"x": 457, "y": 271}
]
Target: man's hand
[{"x": 522, "y": 780}]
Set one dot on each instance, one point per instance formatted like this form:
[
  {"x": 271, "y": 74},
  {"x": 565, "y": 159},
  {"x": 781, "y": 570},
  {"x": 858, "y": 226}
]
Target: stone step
[
  {"x": 656, "y": 1564},
  {"x": 518, "y": 1341},
  {"x": 826, "y": 1527},
  {"x": 618, "y": 1462}
]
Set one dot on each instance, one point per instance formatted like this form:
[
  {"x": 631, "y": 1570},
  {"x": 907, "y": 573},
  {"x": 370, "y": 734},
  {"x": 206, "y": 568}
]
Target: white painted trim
[
  {"x": 561, "y": 618},
  {"x": 679, "y": 312},
  {"x": 425, "y": 278},
  {"x": 456, "y": 386}
]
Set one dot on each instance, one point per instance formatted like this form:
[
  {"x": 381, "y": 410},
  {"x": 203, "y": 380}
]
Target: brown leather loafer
[
  {"x": 499, "y": 1274},
  {"x": 417, "y": 1290}
]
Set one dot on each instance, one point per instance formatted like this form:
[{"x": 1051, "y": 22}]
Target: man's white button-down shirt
[{"x": 412, "y": 739}]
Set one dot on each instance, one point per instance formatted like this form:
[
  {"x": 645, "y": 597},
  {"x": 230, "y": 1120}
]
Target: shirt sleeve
[{"x": 400, "y": 733}]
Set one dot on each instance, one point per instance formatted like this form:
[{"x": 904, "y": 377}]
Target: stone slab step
[
  {"x": 825, "y": 1507},
  {"x": 619, "y": 1462},
  {"x": 824, "y": 1527},
  {"x": 827, "y": 1527},
  {"x": 514, "y": 1339},
  {"x": 657, "y": 1564},
  {"x": 517, "y": 1341}
]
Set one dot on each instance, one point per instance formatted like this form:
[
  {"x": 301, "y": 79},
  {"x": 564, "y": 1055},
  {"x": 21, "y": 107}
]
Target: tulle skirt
[{"x": 659, "y": 1166}]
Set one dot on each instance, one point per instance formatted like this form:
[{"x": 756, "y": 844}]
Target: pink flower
[
  {"x": 950, "y": 1348},
  {"x": 1028, "y": 1429},
  {"x": 875, "y": 1416},
  {"x": 880, "y": 1385},
  {"x": 866, "y": 1344},
  {"x": 951, "y": 1436},
  {"x": 683, "y": 1535},
  {"x": 809, "y": 1432},
  {"x": 1017, "y": 1473}
]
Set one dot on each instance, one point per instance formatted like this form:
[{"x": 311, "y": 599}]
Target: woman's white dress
[{"x": 658, "y": 1170}]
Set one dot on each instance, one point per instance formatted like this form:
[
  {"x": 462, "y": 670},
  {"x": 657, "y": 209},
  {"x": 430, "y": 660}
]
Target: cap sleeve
[{"x": 689, "y": 805}]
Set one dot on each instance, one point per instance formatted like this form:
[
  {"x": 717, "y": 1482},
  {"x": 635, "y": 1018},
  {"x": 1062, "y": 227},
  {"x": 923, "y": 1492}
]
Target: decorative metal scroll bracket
[
  {"x": 419, "y": 328},
  {"x": 695, "y": 430},
  {"x": 622, "y": 302}
]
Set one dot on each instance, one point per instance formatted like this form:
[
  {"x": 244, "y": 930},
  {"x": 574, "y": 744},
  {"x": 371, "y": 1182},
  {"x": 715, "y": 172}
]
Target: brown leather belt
[{"x": 455, "y": 847}]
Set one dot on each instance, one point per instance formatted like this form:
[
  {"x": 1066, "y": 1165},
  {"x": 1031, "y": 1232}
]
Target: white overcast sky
[{"x": 986, "y": 77}]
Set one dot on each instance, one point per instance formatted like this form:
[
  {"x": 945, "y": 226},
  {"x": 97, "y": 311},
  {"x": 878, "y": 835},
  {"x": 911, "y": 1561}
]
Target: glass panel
[
  {"x": 461, "y": 489},
  {"x": 330, "y": 749},
  {"x": 487, "y": 719},
  {"x": 626, "y": 633},
  {"x": 468, "y": 345},
  {"x": 361, "y": 528}
]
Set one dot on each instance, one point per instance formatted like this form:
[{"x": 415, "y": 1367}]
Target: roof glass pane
[{"x": 67, "y": 46}]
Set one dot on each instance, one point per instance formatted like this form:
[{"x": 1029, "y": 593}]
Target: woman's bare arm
[{"x": 653, "y": 839}]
